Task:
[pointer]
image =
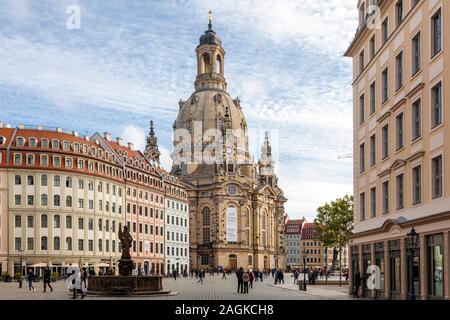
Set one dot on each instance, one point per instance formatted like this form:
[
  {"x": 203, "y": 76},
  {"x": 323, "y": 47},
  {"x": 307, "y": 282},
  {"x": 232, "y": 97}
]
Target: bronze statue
[{"x": 126, "y": 265}]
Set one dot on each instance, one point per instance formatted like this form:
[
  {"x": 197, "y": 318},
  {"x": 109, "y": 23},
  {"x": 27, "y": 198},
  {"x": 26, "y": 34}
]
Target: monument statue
[{"x": 126, "y": 264}]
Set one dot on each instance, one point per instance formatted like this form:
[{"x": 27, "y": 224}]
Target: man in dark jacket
[
  {"x": 239, "y": 275},
  {"x": 357, "y": 284},
  {"x": 47, "y": 279}
]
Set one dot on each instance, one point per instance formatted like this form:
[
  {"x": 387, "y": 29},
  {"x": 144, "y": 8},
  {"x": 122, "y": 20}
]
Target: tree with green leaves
[{"x": 333, "y": 222}]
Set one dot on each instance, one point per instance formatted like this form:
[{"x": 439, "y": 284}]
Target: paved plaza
[{"x": 213, "y": 288}]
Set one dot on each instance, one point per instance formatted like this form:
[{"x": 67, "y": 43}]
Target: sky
[{"x": 124, "y": 63}]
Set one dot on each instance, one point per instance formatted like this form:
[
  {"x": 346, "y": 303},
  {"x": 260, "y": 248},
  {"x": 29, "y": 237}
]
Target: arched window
[
  {"x": 56, "y": 243},
  {"x": 69, "y": 222},
  {"x": 44, "y": 221},
  {"x": 68, "y": 182},
  {"x": 219, "y": 64},
  {"x": 69, "y": 201},
  {"x": 44, "y": 243},
  {"x": 56, "y": 181},
  {"x": 206, "y": 63},
  {"x": 68, "y": 244},
  {"x": 44, "y": 199},
  {"x": 56, "y": 222},
  {"x": 206, "y": 213},
  {"x": 250, "y": 260},
  {"x": 44, "y": 180},
  {"x": 56, "y": 200}
]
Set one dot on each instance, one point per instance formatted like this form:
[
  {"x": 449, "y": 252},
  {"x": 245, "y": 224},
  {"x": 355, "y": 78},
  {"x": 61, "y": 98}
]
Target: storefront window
[
  {"x": 379, "y": 262},
  {"x": 435, "y": 266},
  {"x": 366, "y": 264}
]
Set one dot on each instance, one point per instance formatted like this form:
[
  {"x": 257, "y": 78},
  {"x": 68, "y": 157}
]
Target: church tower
[
  {"x": 236, "y": 209},
  {"x": 151, "y": 148}
]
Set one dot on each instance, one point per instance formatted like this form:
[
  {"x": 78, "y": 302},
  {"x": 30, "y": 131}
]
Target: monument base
[{"x": 125, "y": 285}]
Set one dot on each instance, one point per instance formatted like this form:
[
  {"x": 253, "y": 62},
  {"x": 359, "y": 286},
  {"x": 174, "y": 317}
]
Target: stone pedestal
[{"x": 125, "y": 285}]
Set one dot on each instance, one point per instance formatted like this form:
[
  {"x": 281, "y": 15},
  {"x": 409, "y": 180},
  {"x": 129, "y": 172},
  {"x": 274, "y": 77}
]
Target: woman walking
[
  {"x": 47, "y": 279},
  {"x": 251, "y": 278}
]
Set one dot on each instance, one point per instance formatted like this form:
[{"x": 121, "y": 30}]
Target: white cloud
[
  {"x": 165, "y": 159},
  {"x": 136, "y": 135}
]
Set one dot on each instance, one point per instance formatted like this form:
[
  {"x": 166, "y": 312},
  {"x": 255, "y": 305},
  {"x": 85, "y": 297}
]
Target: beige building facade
[
  {"x": 401, "y": 64},
  {"x": 236, "y": 206}
]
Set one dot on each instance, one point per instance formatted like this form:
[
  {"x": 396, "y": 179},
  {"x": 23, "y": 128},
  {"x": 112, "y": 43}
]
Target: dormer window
[
  {"x": 20, "y": 141},
  {"x": 85, "y": 148},
  {"x": 55, "y": 144},
  {"x": 44, "y": 143},
  {"x": 76, "y": 147},
  {"x": 32, "y": 142},
  {"x": 65, "y": 145},
  {"x": 2, "y": 140}
]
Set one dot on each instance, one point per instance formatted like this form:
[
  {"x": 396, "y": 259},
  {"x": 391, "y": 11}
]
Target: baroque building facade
[
  {"x": 401, "y": 62},
  {"x": 236, "y": 206}
]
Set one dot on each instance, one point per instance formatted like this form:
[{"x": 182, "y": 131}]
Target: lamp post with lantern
[{"x": 412, "y": 245}]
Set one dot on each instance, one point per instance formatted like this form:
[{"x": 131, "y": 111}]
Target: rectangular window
[
  {"x": 436, "y": 167},
  {"x": 385, "y": 80},
  {"x": 17, "y": 180},
  {"x": 385, "y": 30},
  {"x": 373, "y": 152},
  {"x": 417, "y": 184},
  {"x": 400, "y": 191},
  {"x": 399, "y": 70},
  {"x": 18, "y": 243},
  {"x": 372, "y": 98},
  {"x": 435, "y": 266},
  {"x": 17, "y": 199},
  {"x": 362, "y": 206},
  {"x": 373, "y": 202},
  {"x": 436, "y": 29},
  {"x": 30, "y": 243},
  {"x": 398, "y": 13},
  {"x": 362, "y": 158},
  {"x": 80, "y": 224},
  {"x": 399, "y": 131},
  {"x": 416, "y": 118},
  {"x": 416, "y": 58},
  {"x": 30, "y": 221},
  {"x": 17, "y": 221},
  {"x": 385, "y": 137},
  {"x": 436, "y": 105},
  {"x": 385, "y": 190},
  {"x": 361, "y": 62},
  {"x": 206, "y": 235},
  {"x": 372, "y": 47},
  {"x": 361, "y": 110}
]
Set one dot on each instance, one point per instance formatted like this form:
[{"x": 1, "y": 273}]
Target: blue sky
[{"x": 132, "y": 61}]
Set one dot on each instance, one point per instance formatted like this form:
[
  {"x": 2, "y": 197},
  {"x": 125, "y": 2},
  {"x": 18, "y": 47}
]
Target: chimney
[
  {"x": 86, "y": 137},
  {"x": 75, "y": 134},
  {"x": 107, "y": 136},
  {"x": 59, "y": 129},
  {"x": 21, "y": 126},
  {"x": 40, "y": 127},
  {"x": 1, "y": 124},
  {"x": 119, "y": 141},
  {"x": 131, "y": 146}
]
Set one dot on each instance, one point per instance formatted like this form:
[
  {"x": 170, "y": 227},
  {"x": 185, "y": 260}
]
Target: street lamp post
[
  {"x": 412, "y": 243},
  {"x": 19, "y": 251},
  {"x": 304, "y": 253}
]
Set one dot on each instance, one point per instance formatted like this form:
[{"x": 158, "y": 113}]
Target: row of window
[
  {"x": 178, "y": 221},
  {"x": 30, "y": 201},
  {"x": 159, "y": 214},
  {"x": 436, "y": 42},
  {"x": 68, "y": 244},
  {"x": 68, "y": 183},
  {"x": 416, "y": 187},
  {"x": 30, "y": 160},
  {"x": 157, "y": 248},
  {"x": 178, "y": 252},
  {"x": 68, "y": 225},
  {"x": 177, "y": 205},
  {"x": 145, "y": 195},
  {"x": 176, "y": 236},
  {"x": 144, "y": 228}
]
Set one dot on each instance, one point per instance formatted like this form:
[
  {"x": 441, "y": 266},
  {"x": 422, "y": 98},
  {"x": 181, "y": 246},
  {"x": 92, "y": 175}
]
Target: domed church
[{"x": 236, "y": 206}]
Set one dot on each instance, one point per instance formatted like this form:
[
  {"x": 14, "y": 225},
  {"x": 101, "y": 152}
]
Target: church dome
[{"x": 210, "y": 37}]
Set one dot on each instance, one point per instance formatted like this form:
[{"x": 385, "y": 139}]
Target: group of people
[
  {"x": 245, "y": 279},
  {"x": 46, "y": 277}
]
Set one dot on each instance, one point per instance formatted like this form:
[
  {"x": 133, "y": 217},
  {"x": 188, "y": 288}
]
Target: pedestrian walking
[
  {"x": 47, "y": 279},
  {"x": 224, "y": 275},
  {"x": 84, "y": 276},
  {"x": 201, "y": 275},
  {"x": 30, "y": 278},
  {"x": 251, "y": 278},
  {"x": 239, "y": 275},
  {"x": 245, "y": 280},
  {"x": 174, "y": 274},
  {"x": 357, "y": 284}
]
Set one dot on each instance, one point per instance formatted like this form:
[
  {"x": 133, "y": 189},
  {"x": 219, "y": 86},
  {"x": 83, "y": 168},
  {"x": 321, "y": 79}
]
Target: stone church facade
[{"x": 237, "y": 216}]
